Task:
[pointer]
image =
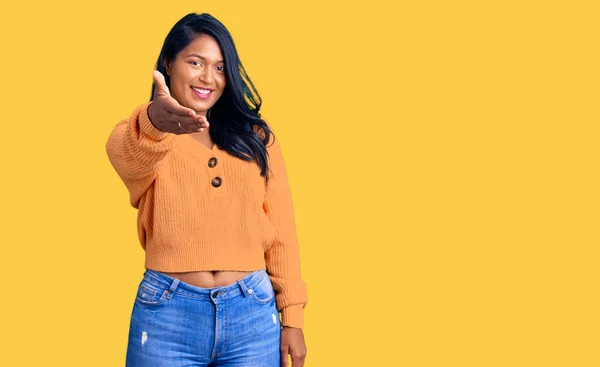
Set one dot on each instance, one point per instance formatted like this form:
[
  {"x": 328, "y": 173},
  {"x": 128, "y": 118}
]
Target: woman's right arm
[
  {"x": 136, "y": 149},
  {"x": 137, "y": 146}
]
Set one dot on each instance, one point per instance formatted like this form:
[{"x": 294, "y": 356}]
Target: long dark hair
[{"x": 235, "y": 122}]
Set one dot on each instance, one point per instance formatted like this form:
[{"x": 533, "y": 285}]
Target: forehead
[{"x": 204, "y": 46}]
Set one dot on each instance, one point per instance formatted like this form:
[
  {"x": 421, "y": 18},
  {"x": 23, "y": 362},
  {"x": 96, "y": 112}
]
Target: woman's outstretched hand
[
  {"x": 292, "y": 343},
  {"x": 166, "y": 114}
]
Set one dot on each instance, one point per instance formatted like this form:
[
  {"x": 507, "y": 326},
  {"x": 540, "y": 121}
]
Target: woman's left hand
[{"x": 292, "y": 343}]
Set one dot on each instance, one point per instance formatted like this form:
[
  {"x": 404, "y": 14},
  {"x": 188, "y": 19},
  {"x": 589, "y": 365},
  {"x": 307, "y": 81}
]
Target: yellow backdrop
[{"x": 443, "y": 158}]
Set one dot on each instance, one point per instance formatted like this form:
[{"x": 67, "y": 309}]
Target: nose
[{"x": 206, "y": 76}]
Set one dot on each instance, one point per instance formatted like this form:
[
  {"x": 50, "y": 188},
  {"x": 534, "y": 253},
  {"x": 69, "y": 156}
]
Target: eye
[
  {"x": 196, "y": 63},
  {"x": 221, "y": 68}
]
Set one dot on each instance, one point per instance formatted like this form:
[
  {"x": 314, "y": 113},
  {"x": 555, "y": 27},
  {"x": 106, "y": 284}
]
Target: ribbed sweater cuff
[
  {"x": 293, "y": 316},
  {"x": 146, "y": 126}
]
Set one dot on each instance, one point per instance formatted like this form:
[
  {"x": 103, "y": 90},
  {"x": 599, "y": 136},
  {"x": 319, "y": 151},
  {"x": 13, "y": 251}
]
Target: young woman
[{"x": 215, "y": 214}]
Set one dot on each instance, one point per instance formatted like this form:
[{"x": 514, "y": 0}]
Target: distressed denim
[{"x": 174, "y": 323}]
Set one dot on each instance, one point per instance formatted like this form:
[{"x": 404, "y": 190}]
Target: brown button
[
  {"x": 216, "y": 182},
  {"x": 212, "y": 162}
]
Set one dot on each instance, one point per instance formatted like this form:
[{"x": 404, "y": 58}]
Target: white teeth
[{"x": 201, "y": 91}]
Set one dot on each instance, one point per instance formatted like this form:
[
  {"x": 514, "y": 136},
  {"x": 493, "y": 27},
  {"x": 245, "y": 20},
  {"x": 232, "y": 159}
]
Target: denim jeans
[{"x": 174, "y": 323}]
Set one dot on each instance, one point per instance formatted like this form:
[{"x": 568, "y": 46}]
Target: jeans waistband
[{"x": 222, "y": 292}]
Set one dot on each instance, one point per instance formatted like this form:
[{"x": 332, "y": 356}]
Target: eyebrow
[{"x": 201, "y": 57}]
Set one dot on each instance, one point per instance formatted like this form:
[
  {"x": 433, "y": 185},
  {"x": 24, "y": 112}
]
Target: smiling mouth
[{"x": 203, "y": 91}]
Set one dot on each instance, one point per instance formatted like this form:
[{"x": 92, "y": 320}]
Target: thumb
[{"x": 161, "y": 85}]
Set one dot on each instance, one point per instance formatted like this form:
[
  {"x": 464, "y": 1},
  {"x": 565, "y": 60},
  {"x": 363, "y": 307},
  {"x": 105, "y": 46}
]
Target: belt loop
[
  {"x": 172, "y": 288},
  {"x": 243, "y": 287}
]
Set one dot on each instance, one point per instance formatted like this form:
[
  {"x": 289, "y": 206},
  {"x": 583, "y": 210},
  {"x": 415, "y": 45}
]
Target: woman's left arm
[{"x": 283, "y": 258}]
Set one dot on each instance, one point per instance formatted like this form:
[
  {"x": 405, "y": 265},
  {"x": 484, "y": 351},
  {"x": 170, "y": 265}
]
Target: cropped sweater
[{"x": 205, "y": 209}]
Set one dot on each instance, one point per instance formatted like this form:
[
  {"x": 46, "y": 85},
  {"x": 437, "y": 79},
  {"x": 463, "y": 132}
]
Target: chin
[{"x": 202, "y": 108}]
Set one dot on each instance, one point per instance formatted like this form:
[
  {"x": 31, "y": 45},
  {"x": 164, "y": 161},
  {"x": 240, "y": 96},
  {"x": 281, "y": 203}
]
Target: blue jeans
[{"x": 174, "y": 323}]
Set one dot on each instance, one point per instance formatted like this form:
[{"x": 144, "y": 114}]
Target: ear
[{"x": 168, "y": 67}]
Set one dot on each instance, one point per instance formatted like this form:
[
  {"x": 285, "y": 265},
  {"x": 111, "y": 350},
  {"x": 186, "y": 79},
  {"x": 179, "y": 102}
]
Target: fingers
[
  {"x": 297, "y": 361},
  {"x": 298, "y": 358},
  {"x": 203, "y": 121},
  {"x": 188, "y": 125},
  {"x": 284, "y": 355},
  {"x": 193, "y": 123},
  {"x": 161, "y": 85}
]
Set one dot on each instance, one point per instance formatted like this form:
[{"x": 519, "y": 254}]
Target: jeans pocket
[
  {"x": 262, "y": 292},
  {"x": 151, "y": 294}
]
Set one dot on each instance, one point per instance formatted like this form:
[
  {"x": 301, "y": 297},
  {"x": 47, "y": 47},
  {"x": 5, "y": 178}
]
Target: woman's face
[{"x": 197, "y": 75}]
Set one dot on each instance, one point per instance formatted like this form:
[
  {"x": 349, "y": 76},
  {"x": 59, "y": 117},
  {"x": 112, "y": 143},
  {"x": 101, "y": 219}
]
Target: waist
[
  {"x": 209, "y": 279},
  {"x": 162, "y": 279}
]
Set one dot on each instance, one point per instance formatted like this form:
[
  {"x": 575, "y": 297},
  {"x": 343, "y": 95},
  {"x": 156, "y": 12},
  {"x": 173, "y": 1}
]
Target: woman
[{"x": 215, "y": 214}]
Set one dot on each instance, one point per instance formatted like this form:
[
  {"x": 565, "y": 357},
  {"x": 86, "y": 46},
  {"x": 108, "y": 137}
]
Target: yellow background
[{"x": 443, "y": 159}]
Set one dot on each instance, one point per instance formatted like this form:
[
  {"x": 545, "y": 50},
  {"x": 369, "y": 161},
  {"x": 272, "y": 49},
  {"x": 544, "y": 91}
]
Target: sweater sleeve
[
  {"x": 283, "y": 257},
  {"x": 136, "y": 149}
]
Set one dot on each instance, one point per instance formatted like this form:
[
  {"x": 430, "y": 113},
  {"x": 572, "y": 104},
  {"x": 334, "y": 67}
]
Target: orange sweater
[{"x": 204, "y": 209}]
